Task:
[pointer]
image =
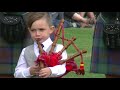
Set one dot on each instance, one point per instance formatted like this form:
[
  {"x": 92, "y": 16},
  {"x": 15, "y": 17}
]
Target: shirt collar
[{"x": 47, "y": 43}]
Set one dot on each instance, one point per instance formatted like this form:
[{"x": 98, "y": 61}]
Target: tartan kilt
[
  {"x": 103, "y": 60},
  {"x": 9, "y": 55}
]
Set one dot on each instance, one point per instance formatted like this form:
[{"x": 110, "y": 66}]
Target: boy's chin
[{"x": 39, "y": 41}]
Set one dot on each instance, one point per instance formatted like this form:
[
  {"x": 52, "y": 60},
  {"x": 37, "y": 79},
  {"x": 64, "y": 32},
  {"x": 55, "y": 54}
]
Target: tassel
[{"x": 82, "y": 71}]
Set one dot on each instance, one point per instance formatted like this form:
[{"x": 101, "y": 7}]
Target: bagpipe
[{"x": 51, "y": 58}]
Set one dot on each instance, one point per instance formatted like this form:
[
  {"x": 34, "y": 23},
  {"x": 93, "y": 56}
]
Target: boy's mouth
[{"x": 38, "y": 39}]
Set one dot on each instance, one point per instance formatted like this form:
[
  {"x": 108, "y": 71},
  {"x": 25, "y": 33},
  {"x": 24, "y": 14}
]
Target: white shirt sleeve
[
  {"x": 59, "y": 70},
  {"x": 21, "y": 70}
]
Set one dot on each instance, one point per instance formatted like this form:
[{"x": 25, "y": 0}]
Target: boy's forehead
[{"x": 42, "y": 20}]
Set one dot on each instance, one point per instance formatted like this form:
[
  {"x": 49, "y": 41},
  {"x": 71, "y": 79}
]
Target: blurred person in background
[{"x": 106, "y": 50}]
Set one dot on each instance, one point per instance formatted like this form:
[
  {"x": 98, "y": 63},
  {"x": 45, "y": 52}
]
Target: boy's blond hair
[{"x": 33, "y": 16}]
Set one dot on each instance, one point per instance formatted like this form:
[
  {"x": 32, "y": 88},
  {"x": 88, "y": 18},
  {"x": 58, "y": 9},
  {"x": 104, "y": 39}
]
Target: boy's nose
[{"x": 37, "y": 33}]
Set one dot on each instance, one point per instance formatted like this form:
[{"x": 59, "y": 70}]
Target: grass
[{"x": 84, "y": 42}]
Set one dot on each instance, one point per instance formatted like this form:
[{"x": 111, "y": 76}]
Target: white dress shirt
[{"x": 22, "y": 70}]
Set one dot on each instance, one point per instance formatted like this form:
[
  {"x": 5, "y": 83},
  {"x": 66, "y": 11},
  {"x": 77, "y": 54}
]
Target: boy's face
[{"x": 40, "y": 30}]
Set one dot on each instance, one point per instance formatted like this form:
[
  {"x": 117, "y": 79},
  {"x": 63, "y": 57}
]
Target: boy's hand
[
  {"x": 45, "y": 72},
  {"x": 34, "y": 70}
]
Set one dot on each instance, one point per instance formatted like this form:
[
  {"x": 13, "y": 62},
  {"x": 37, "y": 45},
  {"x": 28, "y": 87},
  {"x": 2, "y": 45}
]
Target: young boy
[{"x": 40, "y": 28}]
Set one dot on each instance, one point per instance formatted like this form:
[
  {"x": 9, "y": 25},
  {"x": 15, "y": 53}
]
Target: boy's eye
[
  {"x": 33, "y": 30},
  {"x": 41, "y": 29}
]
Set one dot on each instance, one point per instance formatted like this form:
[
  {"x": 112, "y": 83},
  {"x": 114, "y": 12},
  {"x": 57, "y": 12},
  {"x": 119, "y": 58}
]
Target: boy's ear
[
  {"x": 28, "y": 29},
  {"x": 52, "y": 28}
]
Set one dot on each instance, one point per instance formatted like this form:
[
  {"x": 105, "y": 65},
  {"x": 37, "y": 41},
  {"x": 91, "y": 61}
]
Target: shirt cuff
[
  {"x": 26, "y": 73},
  {"x": 53, "y": 72},
  {"x": 57, "y": 70}
]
